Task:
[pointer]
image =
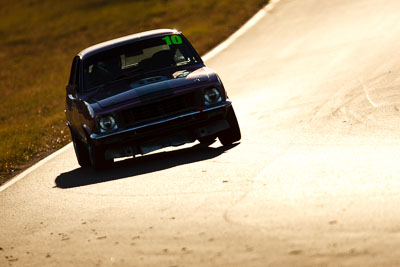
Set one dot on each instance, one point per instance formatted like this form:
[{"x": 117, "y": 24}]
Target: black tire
[
  {"x": 96, "y": 158},
  {"x": 207, "y": 140},
  {"x": 81, "y": 152},
  {"x": 232, "y": 134}
]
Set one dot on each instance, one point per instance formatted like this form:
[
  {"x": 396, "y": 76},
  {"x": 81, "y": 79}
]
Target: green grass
[{"x": 39, "y": 38}]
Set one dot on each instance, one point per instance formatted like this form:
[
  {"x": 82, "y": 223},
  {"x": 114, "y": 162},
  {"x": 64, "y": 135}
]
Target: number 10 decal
[{"x": 173, "y": 39}]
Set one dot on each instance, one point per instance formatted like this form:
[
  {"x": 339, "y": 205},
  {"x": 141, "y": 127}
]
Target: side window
[{"x": 74, "y": 76}]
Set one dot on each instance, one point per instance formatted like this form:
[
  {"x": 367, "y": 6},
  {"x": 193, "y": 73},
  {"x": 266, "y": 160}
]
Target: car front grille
[{"x": 160, "y": 109}]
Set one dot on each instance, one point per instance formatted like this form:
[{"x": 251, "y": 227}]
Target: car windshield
[{"x": 136, "y": 58}]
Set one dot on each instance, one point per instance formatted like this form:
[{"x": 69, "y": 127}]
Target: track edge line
[
  {"x": 34, "y": 167},
  {"x": 242, "y": 30}
]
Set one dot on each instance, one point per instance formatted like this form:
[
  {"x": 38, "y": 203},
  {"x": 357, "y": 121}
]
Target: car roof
[{"x": 124, "y": 40}]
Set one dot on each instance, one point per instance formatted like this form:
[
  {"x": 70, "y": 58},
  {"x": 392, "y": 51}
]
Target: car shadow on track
[{"x": 137, "y": 166}]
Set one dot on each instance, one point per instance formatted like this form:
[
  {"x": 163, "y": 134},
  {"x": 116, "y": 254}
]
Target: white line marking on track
[
  {"x": 34, "y": 167},
  {"x": 367, "y": 94},
  {"x": 261, "y": 175},
  {"x": 250, "y": 23}
]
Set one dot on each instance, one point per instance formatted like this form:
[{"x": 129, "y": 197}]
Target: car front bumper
[{"x": 171, "y": 131}]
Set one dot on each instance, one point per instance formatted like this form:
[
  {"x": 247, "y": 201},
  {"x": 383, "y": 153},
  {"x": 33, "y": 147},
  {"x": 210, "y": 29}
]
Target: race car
[{"x": 144, "y": 92}]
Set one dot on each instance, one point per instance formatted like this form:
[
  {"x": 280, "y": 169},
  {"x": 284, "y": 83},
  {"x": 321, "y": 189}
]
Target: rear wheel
[
  {"x": 81, "y": 151},
  {"x": 232, "y": 134}
]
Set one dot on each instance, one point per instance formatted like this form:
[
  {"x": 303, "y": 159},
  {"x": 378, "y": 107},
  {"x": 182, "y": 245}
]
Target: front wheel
[
  {"x": 81, "y": 152},
  {"x": 232, "y": 134},
  {"x": 207, "y": 140},
  {"x": 96, "y": 156}
]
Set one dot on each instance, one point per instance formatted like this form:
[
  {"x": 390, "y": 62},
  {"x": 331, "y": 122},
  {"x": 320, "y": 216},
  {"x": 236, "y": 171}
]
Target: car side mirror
[{"x": 71, "y": 91}]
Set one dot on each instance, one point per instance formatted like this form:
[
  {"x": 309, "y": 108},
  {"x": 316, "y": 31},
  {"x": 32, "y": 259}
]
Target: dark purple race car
[{"x": 143, "y": 92}]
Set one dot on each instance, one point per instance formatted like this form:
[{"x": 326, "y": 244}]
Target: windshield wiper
[
  {"x": 126, "y": 74},
  {"x": 121, "y": 76},
  {"x": 129, "y": 74}
]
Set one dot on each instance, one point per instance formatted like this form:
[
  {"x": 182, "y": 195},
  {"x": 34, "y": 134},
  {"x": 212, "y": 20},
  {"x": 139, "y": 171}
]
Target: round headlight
[
  {"x": 107, "y": 123},
  {"x": 212, "y": 96}
]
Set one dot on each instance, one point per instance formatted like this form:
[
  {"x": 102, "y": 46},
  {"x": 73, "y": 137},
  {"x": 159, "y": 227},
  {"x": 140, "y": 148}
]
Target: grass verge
[{"x": 39, "y": 38}]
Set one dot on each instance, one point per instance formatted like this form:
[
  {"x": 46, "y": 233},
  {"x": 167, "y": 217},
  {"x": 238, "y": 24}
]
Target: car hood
[{"x": 150, "y": 87}]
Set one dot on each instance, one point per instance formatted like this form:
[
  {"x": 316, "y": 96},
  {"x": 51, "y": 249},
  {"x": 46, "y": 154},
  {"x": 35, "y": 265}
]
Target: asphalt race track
[{"x": 315, "y": 180}]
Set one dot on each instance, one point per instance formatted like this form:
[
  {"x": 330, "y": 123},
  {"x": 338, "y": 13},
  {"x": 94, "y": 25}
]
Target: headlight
[
  {"x": 212, "y": 96},
  {"x": 107, "y": 123}
]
